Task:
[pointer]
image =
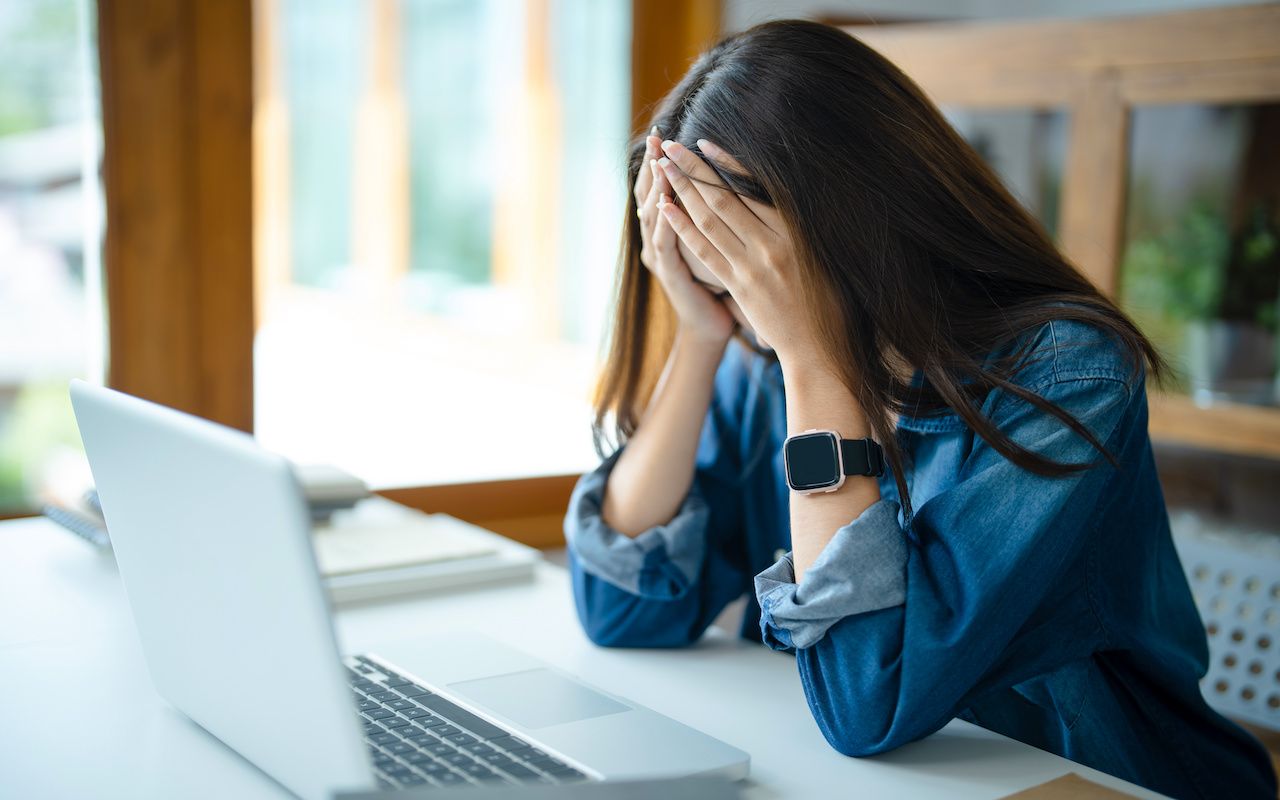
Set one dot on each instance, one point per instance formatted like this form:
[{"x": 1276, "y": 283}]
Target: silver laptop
[{"x": 211, "y": 535}]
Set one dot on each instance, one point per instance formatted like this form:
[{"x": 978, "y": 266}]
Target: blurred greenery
[
  {"x": 39, "y": 422},
  {"x": 1251, "y": 290},
  {"x": 41, "y": 87},
  {"x": 37, "y": 42},
  {"x": 1178, "y": 271}
]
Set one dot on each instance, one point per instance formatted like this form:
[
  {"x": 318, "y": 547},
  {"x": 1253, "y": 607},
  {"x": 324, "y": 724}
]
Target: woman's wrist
[
  {"x": 709, "y": 343},
  {"x": 817, "y": 397}
]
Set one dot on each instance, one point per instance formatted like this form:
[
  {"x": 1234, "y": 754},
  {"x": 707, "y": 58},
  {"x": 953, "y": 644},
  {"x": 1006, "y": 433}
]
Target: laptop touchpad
[{"x": 537, "y": 698}]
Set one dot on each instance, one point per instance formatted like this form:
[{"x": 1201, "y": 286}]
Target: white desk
[{"x": 78, "y": 716}]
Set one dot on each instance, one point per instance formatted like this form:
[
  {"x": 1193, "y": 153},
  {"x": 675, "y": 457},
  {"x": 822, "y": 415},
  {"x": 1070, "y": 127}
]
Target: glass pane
[
  {"x": 1201, "y": 265},
  {"x": 1026, "y": 148},
  {"x": 440, "y": 200},
  {"x": 50, "y": 226}
]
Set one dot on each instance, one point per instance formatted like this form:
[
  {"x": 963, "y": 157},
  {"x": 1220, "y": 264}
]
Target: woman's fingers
[
  {"x": 698, "y": 244},
  {"x": 647, "y": 211},
  {"x": 712, "y": 206},
  {"x": 664, "y": 238},
  {"x": 644, "y": 181},
  {"x": 765, "y": 213}
]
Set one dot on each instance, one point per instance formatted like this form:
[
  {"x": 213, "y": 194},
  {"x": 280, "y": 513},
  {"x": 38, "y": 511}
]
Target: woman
[{"x": 1013, "y": 565}]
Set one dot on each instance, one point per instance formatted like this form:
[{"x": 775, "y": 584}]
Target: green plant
[
  {"x": 1178, "y": 272},
  {"x": 1251, "y": 290}
]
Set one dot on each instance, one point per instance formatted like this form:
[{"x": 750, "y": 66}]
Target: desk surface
[{"x": 78, "y": 716}]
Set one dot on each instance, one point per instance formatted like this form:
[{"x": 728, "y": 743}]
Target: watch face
[{"x": 813, "y": 461}]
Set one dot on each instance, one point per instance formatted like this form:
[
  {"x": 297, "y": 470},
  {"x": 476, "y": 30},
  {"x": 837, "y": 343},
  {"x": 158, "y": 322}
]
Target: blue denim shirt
[{"x": 1052, "y": 610}]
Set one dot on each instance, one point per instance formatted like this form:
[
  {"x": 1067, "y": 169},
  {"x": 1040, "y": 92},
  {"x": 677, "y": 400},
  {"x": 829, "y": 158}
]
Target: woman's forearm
[
  {"x": 816, "y": 398},
  {"x": 652, "y": 476}
]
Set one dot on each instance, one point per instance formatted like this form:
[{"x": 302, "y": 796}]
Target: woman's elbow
[
  {"x": 858, "y": 720},
  {"x": 854, "y": 735},
  {"x": 628, "y": 623},
  {"x": 854, "y": 744},
  {"x": 611, "y": 634}
]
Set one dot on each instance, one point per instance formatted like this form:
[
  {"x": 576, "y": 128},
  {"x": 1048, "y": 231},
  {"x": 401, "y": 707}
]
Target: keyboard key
[
  {"x": 497, "y": 759},
  {"x": 460, "y": 739},
  {"x": 429, "y": 721},
  {"x": 458, "y": 758},
  {"x": 399, "y": 704},
  {"x": 477, "y": 770},
  {"x": 418, "y": 758},
  {"x": 396, "y": 681},
  {"x": 439, "y": 749},
  {"x": 510, "y": 743},
  {"x": 413, "y": 732},
  {"x": 478, "y": 749},
  {"x": 369, "y": 705},
  {"x": 524, "y": 774},
  {"x": 413, "y": 691},
  {"x": 399, "y": 747},
  {"x": 395, "y": 722},
  {"x": 379, "y": 713},
  {"x": 413, "y": 712},
  {"x": 566, "y": 774},
  {"x": 445, "y": 730},
  {"x": 384, "y": 696},
  {"x": 413, "y": 779},
  {"x": 383, "y": 738},
  {"x": 364, "y": 685},
  {"x": 544, "y": 763},
  {"x": 449, "y": 778},
  {"x": 455, "y": 713}
]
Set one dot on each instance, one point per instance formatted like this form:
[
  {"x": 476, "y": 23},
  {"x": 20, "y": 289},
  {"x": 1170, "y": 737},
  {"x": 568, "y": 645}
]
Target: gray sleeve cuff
[
  {"x": 620, "y": 559},
  {"x": 862, "y": 568}
]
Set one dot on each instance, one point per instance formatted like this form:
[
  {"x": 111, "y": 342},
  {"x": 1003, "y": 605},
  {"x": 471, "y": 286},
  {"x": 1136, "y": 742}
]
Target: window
[
  {"x": 51, "y": 308},
  {"x": 440, "y": 192},
  {"x": 1201, "y": 264},
  {"x": 1026, "y": 148}
]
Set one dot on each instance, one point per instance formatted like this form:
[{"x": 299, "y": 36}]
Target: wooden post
[
  {"x": 177, "y": 110},
  {"x": 666, "y": 36},
  {"x": 1093, "y": 187}
]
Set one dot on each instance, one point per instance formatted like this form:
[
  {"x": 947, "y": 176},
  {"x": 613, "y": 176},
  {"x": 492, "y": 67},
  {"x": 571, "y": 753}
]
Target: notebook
[{"x": 379, "y": 548}]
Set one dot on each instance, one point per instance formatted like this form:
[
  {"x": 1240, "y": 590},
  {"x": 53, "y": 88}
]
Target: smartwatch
[{"x": 819, "y": 461}]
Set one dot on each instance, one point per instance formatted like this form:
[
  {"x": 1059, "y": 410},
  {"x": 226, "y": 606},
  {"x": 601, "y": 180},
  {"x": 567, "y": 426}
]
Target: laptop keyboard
[{"x": 418, "y": 738}]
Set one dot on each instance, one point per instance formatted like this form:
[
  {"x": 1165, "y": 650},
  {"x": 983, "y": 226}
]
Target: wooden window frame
[{"x": 1098, "y": 70}]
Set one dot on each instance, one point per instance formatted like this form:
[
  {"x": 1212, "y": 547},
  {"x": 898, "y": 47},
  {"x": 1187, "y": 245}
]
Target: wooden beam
[
  {"x": 1094, "y": 183},
  {"x": 1253, "y": 80},
  {"x": 177, "y": 107},
  {"x": 1223, "y": 427},
  {"x": 953, "y": 53}
]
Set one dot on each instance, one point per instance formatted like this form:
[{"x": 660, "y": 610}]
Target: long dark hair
[{"x": 912, "y": 253}]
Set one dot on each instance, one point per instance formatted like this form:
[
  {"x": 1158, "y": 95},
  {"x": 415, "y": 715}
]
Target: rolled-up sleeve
[
  {"x": 862, "y": 568},
  {"x": 665, "y": 586},
  {"x": 660, "y": 562}
]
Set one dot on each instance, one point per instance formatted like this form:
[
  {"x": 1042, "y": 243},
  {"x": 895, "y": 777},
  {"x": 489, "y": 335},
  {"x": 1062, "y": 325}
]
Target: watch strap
[{"x": 861, "y": 457}]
